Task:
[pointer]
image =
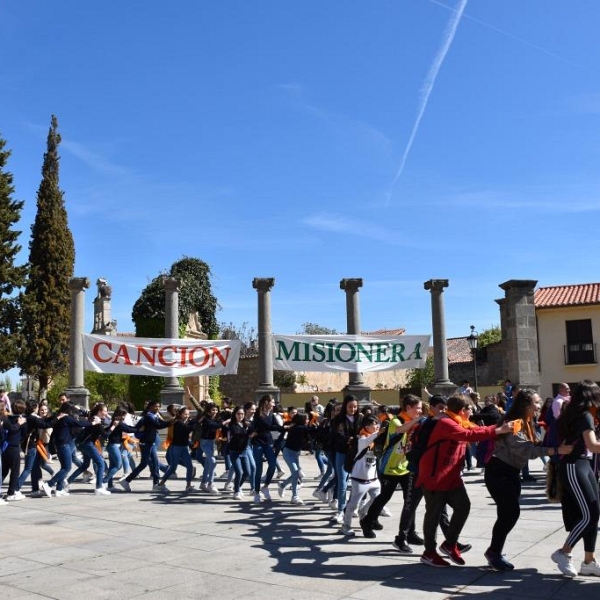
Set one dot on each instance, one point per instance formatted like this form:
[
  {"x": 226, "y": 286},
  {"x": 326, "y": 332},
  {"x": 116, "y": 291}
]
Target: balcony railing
[{"x": 580, "y": 354}]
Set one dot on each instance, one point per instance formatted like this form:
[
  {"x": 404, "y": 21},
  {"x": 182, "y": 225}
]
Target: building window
[{"x": 580, "y": 348}]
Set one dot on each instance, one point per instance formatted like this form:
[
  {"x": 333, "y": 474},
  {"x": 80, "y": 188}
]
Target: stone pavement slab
[{"x": 152, "y": 546}]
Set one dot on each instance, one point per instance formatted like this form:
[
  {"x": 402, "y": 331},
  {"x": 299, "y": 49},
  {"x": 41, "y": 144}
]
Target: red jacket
[{"x": 441, "y": 465}]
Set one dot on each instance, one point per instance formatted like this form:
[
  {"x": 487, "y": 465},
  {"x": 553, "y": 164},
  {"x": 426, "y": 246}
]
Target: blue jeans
[
  {"x": 146, "y": 460},
  {"x": 115, "y": 461},
  {"x": 342, "y": 480},
  {"x": 259, "y": 451},
  {"x": 91, "y": 455},
  {"x": 74, "y": 458},
  {"x": 251, "y": 464},
  {"x": 27, "y": 466},
  {"x": 208, "y": 449},
  {"x": 65, "y": 456},
  {"x": 180, "y": 455},
  {"x": 240, "y": 464},
  {"x": 292, "y": 460},
  {"x": 329, "y": 473},
  {"x": 128, "y": 461},
  {"x": 321, "y": 460}
]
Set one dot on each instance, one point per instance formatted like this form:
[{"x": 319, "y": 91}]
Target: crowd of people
[{"x": 363, "y": 455}]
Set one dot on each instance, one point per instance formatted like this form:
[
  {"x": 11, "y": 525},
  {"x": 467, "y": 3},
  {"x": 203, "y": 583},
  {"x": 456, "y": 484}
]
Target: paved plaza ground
[{"x": 144, "y": 545}]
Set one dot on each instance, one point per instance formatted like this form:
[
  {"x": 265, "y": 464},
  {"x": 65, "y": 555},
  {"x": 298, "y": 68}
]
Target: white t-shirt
[{"x": 365, "y": 467}]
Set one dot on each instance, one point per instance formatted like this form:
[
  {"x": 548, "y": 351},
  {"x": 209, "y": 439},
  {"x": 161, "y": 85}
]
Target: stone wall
[{"x": 242, "y": 387}]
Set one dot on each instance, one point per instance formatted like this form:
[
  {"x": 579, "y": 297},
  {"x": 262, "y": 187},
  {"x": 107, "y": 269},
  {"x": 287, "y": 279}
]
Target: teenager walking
[
  {"x": 511, "y": 452},
  {"x": 580, "y": 503}
]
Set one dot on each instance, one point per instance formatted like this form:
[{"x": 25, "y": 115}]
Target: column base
[
  {"x": 172, "y": 395},
  {"x": 360, "y": 390},
  {"x": 268, "y": 389},
  {"x": 445, "y": 388},
  {"x": 79, "y": 396}
]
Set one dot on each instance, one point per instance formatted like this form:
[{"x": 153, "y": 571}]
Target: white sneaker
[
  {"x": 161, "y": 489},
  {"x": 14, "y": 497},
  {"x": 125, "y": 485},
  {"x": 45, "y": 488},
  {"x": 265, "y": 492},
  {"x": 339, "y": 518},
  {"x": 238, "y": 496},
  {"x": 2, "y": 501},
  {"x": 61, "y": 493},
  {"x": 348, "y": 531},
  {"x": 297, "y": 500},
  {"x": 228, "y": 487},
  {"x": 591, "y": 568},
  {"x": 385, "y": 512},
  {"x": 101, "y": 492},
  {"x": 211, "y": 489},
  {"x": 564, "y": 562},
  {"x": 281, "y": 489}
]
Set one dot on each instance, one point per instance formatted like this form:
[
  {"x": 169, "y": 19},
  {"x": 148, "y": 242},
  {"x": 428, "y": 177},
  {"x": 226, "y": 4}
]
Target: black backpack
[
  {"x": 353, "y": 455},
  {"x": 418, "y": 443}
]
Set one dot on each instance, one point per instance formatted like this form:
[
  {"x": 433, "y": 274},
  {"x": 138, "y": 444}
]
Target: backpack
[
  {"x": 353, "y": 455},
  {"x": 379, "y": 443},
  {"x": 418, "y": 443}
]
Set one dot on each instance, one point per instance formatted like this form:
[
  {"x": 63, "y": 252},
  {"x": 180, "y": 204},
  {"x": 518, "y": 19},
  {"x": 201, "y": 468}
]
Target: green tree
[
  {"x": 316, "y": 329},
  {"x": 12, "y": 277},
  {"x": 46, "y": 302},
  {"x": 195, "y": 296},
  {"x": 420, "y": 378},
  {"x": 487, "y": 337},
  {"x": 110, "y": 388}
]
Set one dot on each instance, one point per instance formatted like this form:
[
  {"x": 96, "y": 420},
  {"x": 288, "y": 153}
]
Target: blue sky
[{"x": 396, "y": 141}]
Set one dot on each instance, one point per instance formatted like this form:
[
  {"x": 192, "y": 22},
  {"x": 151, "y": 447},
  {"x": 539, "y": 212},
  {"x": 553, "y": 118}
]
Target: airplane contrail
[{"x": 427, "y": 87}]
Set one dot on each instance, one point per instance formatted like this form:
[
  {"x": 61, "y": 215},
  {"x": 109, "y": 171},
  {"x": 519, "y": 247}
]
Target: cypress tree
[
  {"x": 12, "y": 277},
  {"x": 47, "y": 298}
]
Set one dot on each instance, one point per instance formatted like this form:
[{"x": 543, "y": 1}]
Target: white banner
[
  {"x": 350, "y": 353},
  {"x": 160, "y": 356}
]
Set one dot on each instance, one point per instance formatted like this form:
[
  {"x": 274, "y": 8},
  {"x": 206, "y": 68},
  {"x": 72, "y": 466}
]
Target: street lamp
[{"x": 473, "y": 339}]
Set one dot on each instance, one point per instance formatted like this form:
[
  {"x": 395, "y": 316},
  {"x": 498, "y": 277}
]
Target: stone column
[
  {"x": 519, "y": 333},
  {"x": 265, "y": 346},
  {"x": 171, "y": 392},
  {"x": 442, "y": 384},
  {"x": 356, "y": 384},
  {"x": 77, "y": 392}
]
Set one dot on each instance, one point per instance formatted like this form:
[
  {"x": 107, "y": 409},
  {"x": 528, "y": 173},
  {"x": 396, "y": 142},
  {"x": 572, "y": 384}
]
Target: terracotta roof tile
[
  {"x": 567, "y": 295},
  {"x": 386, "y": 332},
  {"x": 458, "y": 350}
]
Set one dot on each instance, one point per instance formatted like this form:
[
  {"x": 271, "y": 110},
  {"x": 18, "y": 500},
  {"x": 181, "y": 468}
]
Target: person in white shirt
[
  {"x": 364, "y": 473},
  {"x": 562, "y": 397}
]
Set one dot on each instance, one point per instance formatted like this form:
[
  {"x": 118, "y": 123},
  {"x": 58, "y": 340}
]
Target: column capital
[
  {"x": 525, "y": 285},
  {"x": 171, "y": 284},
  {"x": 436, "y": 285},
  {"x": 263, "y": 284},
  {"x": 351, "y": 285},
  {"x": 78, "y": 284}
]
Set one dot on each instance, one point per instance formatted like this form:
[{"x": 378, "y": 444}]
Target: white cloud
[{"x": 340, "y": 224}]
